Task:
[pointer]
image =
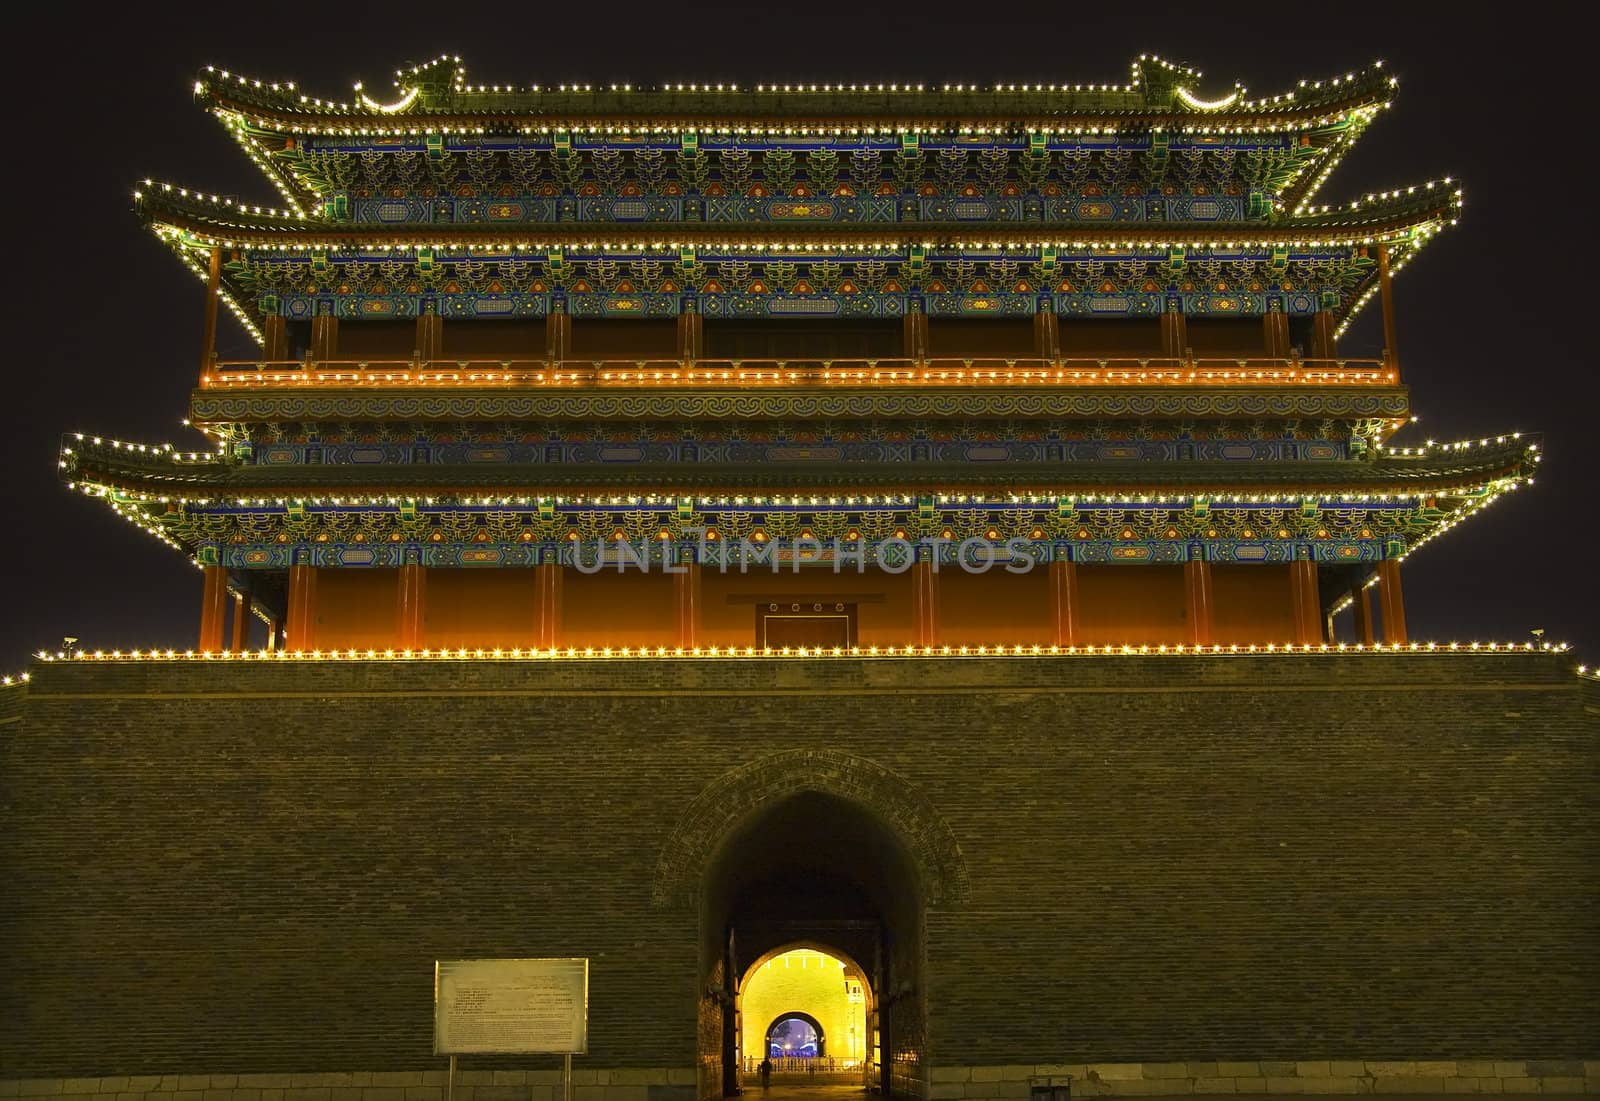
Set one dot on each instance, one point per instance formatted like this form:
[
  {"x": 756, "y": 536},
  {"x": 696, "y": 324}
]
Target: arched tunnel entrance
[
  {"x": 793, "y": 1034},
  {"x": 821, "y": 872},
  {"x": 803, "y": 1009}
]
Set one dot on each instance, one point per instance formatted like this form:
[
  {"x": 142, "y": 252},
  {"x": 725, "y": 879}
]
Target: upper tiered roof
[
  {"x": 1320, "y": 119},
  {"x": 1154, "y": 175}
]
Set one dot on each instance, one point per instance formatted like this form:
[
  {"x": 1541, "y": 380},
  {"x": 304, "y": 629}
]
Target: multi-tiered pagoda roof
[{"x": 639, "y": 313}]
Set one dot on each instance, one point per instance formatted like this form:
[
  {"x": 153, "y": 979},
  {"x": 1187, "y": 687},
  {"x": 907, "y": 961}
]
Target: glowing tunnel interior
[{"x": 805, "y": 1003}]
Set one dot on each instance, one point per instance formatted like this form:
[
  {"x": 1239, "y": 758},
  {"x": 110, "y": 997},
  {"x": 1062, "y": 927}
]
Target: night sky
[{"x": 104, "y": 323}]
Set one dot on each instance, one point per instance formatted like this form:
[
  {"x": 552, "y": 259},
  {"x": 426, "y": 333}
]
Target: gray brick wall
[{"x": 248, "y": 868}]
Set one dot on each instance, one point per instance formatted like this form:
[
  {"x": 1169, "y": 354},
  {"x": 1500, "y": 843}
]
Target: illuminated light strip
[
  {"x": 1589, "y": 674},
  {"x": 225, "y": 296},
  {"x": 235, "y": 126},
  {"x": 1429, "y": 450},
  {"x": 461, "y": 86},
  {"x": 1423, "y": 236},
  {"x": 16, "y": 681},
  {"x": 453, "y": 501},
  {"x": 831, "y": 377},
  {"x": 1188, "y": 99},
  {"x": 1432, "y": 448},
  {"x": 365, "y": 238},
  {"x": 389, "y": 108},
  {"x": 1457, "y": 517},
  {"x": 657, "y": 652},
  {"x": 215, "y": 200},
  {"x": 676, "y": 127},
  {"x": 1175, "y": 500},
  {"x": 1307, "y": 209}
]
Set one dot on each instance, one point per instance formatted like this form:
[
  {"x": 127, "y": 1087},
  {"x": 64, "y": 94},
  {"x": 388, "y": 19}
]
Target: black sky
[{"x": 104, "y": 324}]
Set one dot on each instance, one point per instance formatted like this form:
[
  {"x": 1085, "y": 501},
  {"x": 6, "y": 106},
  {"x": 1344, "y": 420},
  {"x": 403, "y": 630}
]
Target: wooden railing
[{"x": 737, "y": 373}]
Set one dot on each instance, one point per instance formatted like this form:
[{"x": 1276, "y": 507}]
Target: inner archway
[
  {"x": 806, "y": 1010},
  {"x": 796, "y": 1035},
  {"x": 823, "y": 880}
]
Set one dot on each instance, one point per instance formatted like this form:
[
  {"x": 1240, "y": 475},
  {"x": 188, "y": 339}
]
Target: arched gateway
[
  {"x": 796, "y": 1034},
  {"x": 822, "y": 848}
]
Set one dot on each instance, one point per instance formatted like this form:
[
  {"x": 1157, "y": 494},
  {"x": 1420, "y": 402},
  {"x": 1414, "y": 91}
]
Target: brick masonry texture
[
  {"x": 1268, "y": 862},
  {"x": 1006, "y": 1082}
]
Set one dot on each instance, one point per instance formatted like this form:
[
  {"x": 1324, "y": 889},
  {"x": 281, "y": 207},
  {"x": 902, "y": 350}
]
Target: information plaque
[{"x": 510, "y": 1007}]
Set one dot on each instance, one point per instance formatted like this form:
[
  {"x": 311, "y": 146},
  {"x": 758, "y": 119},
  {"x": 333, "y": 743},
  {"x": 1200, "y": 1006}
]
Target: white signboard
[{"x": 510, "y": 1007}]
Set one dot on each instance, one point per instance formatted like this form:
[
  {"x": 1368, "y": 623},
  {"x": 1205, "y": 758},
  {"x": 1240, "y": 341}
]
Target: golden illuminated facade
[{"x": 841, "y": 367}]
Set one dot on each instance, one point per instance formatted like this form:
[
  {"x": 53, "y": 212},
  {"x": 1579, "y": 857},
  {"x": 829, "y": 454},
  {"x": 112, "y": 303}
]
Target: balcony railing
[
  {"x": 798, "y": 373},
  {"x": 802, "y": 1064}
]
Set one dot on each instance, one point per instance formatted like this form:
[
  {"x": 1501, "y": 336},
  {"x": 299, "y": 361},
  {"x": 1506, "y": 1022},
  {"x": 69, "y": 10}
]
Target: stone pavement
[{"x": 790, "y": 1091}]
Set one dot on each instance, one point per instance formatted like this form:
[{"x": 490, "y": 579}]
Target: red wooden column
[
  {"x": 686, "y": 596},
  {"x": 324, "y": 337},
  {"x": 300, "y": 631},
  {"x": 547, "y": 584},
  {"x": 1362, "y": 607},
  {"x": 1174, "y": 334},
  {"x": 208, "y": 332},
  {"x": 1275, "y": 334},
  {"x": 1064, "y": 601},
  {"x": 691, "y": 336},
  {"x": 274, "y": 338},
  {"x": 1393, "y": 602},
  {"x": 1046, "y": 334},
  {"x": 914, "y": 328},
  {"x": 239, "y": 638},
  {"x": 1197, "y": 586},
  {"x": 1322, "y": 330},
  {"x": 412, "y": 595},
  {"x": 1391, "y": 349},
  {"x": 557, "y": 334},
  {"x": 213, "y": 607},
  {"x": 925, "y": 595},
  {"x": 1306, "y": 601},
  {"x": 430, "y": 336}
]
